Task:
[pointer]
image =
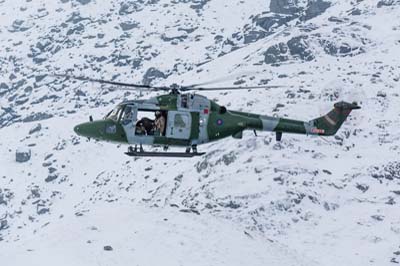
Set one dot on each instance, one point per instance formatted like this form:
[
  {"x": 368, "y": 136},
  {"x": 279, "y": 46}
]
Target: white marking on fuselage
[{"x": 269, "y": 123}]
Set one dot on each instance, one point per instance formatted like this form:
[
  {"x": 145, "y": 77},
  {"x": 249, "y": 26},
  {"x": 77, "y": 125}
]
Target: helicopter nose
[
  {"x": 76, "y": 130},
  {"x": 82, "y": 130}
]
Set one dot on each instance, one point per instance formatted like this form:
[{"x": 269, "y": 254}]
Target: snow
[{"x": 304, "y": 201}]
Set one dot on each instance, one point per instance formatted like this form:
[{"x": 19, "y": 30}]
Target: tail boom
[{"x": 326, "y": 125}]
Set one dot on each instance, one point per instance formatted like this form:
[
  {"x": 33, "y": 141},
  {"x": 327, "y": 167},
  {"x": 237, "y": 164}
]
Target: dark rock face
[
  {"x": 276, "y": 53},
  {"x": 298, "y": 47},
  {"x": 36, "y": 117},
  {"x": 152, "y": 74},
  {"x": 284, "y": 6},
  {"x": 382, "y": 3},
  {"x": 22, "y": 155},
  {"x": 268, "y": 23},
  {"x": 292, "y": 7},
  {"x": 341, "y": 49},
  {"x": 315, "y": 8},
  {"x": 125, "y": 26}
]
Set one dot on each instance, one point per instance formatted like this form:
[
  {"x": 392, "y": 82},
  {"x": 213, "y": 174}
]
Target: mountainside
[{"x": 253, "y": 201}]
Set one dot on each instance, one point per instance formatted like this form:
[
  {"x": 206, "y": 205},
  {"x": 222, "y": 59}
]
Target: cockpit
[
  {"x": 114, "y": 114},
  {"x": 142, "y": 121}
]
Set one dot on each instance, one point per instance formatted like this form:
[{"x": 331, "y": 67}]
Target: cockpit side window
[
  {"x": 127, "y": 115},
  {"x": 115, "y": 113}
]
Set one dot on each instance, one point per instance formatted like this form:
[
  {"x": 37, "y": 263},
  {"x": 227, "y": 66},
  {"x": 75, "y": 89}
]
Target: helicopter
[{"x": 191, "y": 119}]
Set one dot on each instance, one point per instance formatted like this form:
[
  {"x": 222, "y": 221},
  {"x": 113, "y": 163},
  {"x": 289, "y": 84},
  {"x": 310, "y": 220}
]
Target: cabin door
[{"x": 178, "y": 125}]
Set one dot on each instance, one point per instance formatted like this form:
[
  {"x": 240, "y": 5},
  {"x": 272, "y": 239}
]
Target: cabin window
[
  {"x": 127, "y": 115},
  {"x": 184, "y": 101},
  {"x": 115, "y": 113},
  {"x": 181, "y": 120},
  {"x": 151, "y": 123}
]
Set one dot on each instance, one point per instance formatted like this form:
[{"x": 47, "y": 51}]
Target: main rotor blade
[
  {"x": 229, "y": 88},
  {"x": 122, "y": 84}
]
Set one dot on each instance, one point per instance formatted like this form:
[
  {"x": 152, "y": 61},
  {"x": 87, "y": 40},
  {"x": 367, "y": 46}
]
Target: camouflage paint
[
  {"x": 218, "y": 122},
  {"x": 107, "y": 130}
]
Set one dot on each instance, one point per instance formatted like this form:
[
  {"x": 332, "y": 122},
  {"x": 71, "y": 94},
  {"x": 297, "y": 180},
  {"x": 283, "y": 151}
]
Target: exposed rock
[
  {"x": 270, "y": 22},
  {"x": 355, "y": 12},
  {"x": 76, "y": 18},
  {"x": 36, "y": 128},
  {"x": 341, "y": 49},
  {"x": 3, "y": 224},
  {"x": 315, "y": 8},
  {"x": 130, "y": 7},
  {"x": 83, "y": 2},
  {"x": 362, "y": 187},
  {"x": 378, "y": 217},
  {"x": 19, "y": 26},
  {"x": 3, "y": 88},
  {"x": 227, "y": 159},
  {"x": 298, "y": 47},
  {"x": 298, "y": 8},
  {"x": 382, "y": 3},
  {"x": 253, "y": 36},
  {"x": 152, "y": 74},
  {"x": 381, "y": 94},
  {"x": 276, "y": 53},
  {"x": 174, "y": 35},
  {"x": 390, "y": 171},
  {"x": 108, "y": 248},
  {"x": 284, "y": 6},
  {"x": 197, "y": 4},
  {"x": 22, "y": 155},
  {"x": 42, "y": 210},
  {"x": 125, "y": 26},
  {"x": 51, "y": 177},
  {"x": 36, "y": 117}
]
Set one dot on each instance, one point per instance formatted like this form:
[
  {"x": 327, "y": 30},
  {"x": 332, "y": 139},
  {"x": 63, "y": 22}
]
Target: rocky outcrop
[
  {"x": 295, "y": 48},
  {"x": 152, "y": 74}
]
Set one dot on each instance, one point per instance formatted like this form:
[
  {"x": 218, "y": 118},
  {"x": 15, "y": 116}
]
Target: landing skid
[{"x": 164, "y": 154}]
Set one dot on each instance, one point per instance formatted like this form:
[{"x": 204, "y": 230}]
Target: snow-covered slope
[{"x": 304, "y": 201}]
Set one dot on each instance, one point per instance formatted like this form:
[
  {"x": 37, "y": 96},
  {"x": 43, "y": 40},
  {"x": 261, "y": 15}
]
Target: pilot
[{"x": 159, "y": 122}]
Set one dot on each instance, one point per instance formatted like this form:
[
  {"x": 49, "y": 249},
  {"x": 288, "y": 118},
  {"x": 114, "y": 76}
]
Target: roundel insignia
[{"x": 220, "y": 122}]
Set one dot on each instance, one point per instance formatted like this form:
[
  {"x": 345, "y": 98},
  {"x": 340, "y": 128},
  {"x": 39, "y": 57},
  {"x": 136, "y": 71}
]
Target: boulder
[
  {"x": 108, "y": 248},
  {"x": 22, "y": 155}
]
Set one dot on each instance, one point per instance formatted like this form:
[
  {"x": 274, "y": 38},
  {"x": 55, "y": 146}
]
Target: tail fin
[{"x": 330, "y": 123}]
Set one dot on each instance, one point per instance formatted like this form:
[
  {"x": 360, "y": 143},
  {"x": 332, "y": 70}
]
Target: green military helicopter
[{"x": 188, "y": 120}]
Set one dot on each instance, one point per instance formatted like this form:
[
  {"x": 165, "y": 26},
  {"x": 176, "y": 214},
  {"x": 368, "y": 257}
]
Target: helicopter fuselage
[{"x": 192, "y": 119}]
